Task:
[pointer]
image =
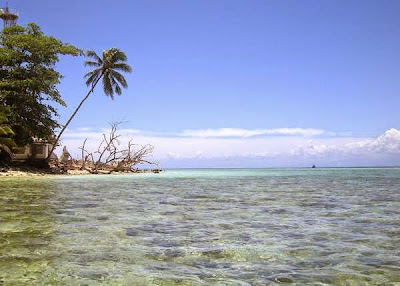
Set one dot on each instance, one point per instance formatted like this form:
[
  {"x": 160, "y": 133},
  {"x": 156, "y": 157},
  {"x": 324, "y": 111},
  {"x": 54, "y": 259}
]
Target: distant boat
[{"x": 313, "y": 166}]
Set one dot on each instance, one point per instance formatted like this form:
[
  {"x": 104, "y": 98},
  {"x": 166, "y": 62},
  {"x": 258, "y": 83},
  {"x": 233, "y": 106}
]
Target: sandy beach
[{"x": 34, "y": 172}]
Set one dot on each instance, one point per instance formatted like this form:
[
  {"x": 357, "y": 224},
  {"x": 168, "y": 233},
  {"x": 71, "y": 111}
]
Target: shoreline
[{"x": 36, "y": 172}]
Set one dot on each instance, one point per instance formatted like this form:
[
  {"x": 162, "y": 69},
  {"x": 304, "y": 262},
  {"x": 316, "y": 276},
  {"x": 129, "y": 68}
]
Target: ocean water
[{"x": 203, "y": 227}]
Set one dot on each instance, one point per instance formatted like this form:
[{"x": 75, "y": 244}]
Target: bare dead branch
[{"x": 110, "y": 157}]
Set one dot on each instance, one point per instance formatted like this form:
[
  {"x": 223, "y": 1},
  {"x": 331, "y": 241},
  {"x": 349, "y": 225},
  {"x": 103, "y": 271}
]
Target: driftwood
[{"x": 109, "y": 157}]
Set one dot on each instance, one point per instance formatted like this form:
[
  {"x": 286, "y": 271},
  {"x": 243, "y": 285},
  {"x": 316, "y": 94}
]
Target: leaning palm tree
[{"x": 107, "y": 68}]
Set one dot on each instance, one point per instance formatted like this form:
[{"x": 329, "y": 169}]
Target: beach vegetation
[
  {"x": 7, "y": 144},
  {"x": 29, "y": 79},
  {"x": 107, "y": 68}
]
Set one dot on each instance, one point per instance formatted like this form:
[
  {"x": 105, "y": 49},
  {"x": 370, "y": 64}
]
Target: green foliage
[
  {"x": 108, "y": 67},
  {"x": 28, "y": 80},
  {"x": 7, "y": 143}
]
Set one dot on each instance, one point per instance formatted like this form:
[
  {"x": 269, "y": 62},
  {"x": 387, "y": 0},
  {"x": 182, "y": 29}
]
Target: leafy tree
[
  {"x": 107, "y": 68},
  {"x": 7, "y": 143},
  {"x": 28, "y": 80}
]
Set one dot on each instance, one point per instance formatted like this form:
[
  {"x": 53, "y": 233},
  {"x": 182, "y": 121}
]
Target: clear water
[{"x": 203, "y": 227}]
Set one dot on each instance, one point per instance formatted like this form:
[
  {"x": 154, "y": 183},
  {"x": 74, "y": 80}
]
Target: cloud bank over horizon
[
  {"x": 235, "y": 147},
  {"x": 245, "y": 133}
]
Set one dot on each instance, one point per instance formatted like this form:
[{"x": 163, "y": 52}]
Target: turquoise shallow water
[{"x": 203, "y": 227}]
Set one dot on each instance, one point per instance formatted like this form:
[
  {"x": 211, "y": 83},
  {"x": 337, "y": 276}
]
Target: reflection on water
[{"x": 203, "y": 227}]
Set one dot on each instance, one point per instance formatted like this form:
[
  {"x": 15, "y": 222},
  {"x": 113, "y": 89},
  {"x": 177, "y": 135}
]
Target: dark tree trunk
[{"x": 70, "y": 119}]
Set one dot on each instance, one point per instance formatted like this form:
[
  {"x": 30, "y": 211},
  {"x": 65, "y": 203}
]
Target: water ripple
[{"x": 203, "y": 227}]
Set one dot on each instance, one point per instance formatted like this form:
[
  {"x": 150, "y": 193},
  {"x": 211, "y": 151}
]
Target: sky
[{"x": 237, "y": 83}]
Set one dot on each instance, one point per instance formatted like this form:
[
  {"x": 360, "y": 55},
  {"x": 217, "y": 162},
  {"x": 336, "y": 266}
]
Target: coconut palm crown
[{"x": 108, "y": 67}]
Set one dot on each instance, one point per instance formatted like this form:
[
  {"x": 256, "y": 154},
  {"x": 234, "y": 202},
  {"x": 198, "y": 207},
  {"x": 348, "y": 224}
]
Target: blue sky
[{"x": 225, "y": 69}]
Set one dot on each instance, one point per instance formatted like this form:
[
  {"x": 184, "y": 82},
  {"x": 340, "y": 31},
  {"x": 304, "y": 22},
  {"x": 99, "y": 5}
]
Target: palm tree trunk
[{"x": 70, "y": 119}]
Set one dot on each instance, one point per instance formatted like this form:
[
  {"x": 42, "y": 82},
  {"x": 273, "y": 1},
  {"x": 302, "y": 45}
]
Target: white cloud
[
  {"x": 245, "y": 133},
  {"x": 84, "y": 129},
  {"x": 85, "y": 133},
  {"x": 243, "y": 148},
  {"x": 128, "y": 131},
  {"x": 387, "y": 143},
  {"x": 69, "y": 134}
]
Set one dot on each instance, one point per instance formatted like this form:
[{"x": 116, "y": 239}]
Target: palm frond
[
  {"x": 92, "y": 64},
  {"x": 112, "y": 61},
  {"x": 5, "y": 148},
  {"x": 107, "y": 86},
  {"x": 118, "y": 89},
  {"x": 122, "y": 67},
  {"x": 92, "y": 54},
  {"x": 120, "y": 78},
  {"x": 88, "y": 74},
  {"x": 93, "y": 76},
  {"x": 116, "y": 86}
]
